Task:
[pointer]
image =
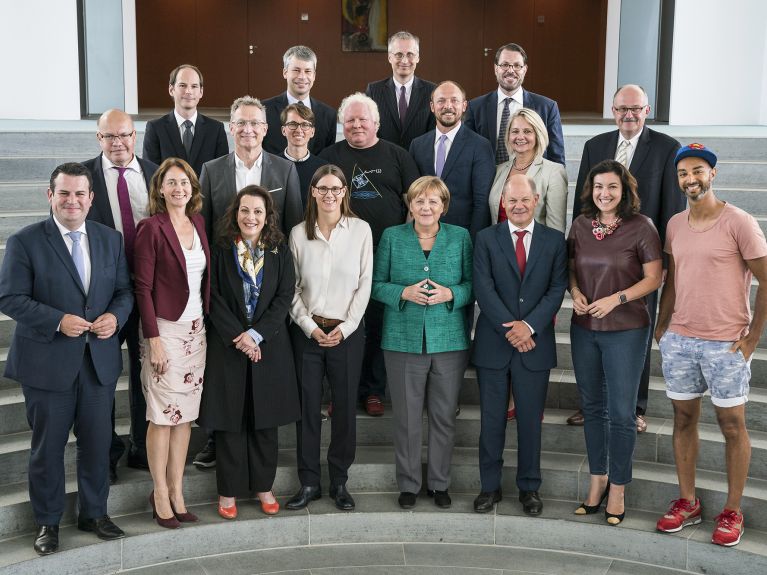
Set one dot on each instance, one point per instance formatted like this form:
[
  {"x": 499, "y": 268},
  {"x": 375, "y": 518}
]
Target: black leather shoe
[
  {"x": 47, "y": 539},
  {"x": 112, "y": 473},
  {"x": 407, "y": 500},
  {"x": 306, "y": 494},
  {"x": 137, "y": 459},
  {"x": 102, "y": 527},
  {"x": 344, "y": 500},
  {"x": 486, "y": 499},
  {"x": 441, "y": 498},
  {"x": 207, "y": 456},
  {"x": 531, "y": 502}
]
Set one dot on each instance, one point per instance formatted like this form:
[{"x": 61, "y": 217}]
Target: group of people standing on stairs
[{"x": 242, "y": 280}]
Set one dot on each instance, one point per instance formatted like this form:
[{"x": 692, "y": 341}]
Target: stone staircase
[{"x": 380, "y": 537}]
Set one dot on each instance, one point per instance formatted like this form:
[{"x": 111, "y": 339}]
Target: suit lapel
[
  {"x": 455, "y": 150},
  {"x": 234, "y": 279},
  {"x": 536, "y": 248},
  {"x": 175, "y": 136},
  {"x": 492, "y": 118},
  {"x": 268, "y": 284},
  {"x": 96, "y": 248},
  {"x": 391, "y": 101},
  {"x": 100, "y": 195},
  {"x": 268, "y": 180},
  {"x": 60, "y": 248},
  {"x": 643, "y": 148},
  {"x": 416, "y": 102},
  {"x": 199, "y": 136},
  {"x": 170, "y": 235},
  {"x": 506, "y": 246},
  {"x": 536, "y": 168}
]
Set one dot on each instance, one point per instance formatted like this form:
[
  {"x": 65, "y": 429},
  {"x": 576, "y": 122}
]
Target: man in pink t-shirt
[{"x": 706, "y": 333}]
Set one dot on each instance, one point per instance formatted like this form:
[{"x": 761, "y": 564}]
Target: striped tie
[{"x": 622, "y": 155}]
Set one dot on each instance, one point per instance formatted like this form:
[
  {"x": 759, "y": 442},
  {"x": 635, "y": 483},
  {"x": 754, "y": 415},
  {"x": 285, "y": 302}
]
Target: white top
[
  {"x": 398, "y": 88},
  {"x": 448, "y": 143},
  {"x": 307, "y": 101},
  {"x": 195, "y": 267},
  {"x": 139, "y": 195},
  {"x": 333, "y": 277},
  {"x": 516, "y": 103},
  {"x": 528, "y": 237},
  {"x": 180, "y": 123},
  {"x": 84, "y": 248},
  {"x": 631, "y": 149},
  {"x": 248, "y": 176}
]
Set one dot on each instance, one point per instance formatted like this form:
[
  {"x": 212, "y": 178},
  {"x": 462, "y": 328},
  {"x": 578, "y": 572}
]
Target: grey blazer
[
  {"x": 278, "y": 175},
  {"x": 550, "y": 181}
]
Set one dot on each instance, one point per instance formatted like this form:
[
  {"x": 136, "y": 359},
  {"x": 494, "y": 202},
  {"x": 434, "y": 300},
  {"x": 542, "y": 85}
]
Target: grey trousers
[{"x": 436, "y": 380}]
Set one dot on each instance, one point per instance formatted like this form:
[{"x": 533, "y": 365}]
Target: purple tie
[
  {"x": 440, "y": 165},
  {"x": 402, "y": 105},
  {"x": 126, "y": 214}
]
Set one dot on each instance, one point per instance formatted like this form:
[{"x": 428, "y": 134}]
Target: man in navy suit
[
  {"x": 649, "y": 156},
  {"x": 66, "y": 283},
  {"x": 403, "y": 99},
  {"x": 299, "y": 68},
  {"x": 120, "y": 200},
  {"x": 462, "y": 158},
  {"x": 520, "y": 276},
  {"x": 488, "y": 115},
  {"x": 184, "y": 133}
]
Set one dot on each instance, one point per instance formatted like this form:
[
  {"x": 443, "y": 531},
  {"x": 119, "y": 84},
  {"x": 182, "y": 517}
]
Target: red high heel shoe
[
  {"x": 270, "y": 508},
  {"x": 227, "y": 512},
  {"x": 169, "y": 523}
]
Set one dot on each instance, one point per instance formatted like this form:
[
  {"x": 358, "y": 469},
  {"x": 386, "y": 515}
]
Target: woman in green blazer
[{"x": 422, "y": 273}]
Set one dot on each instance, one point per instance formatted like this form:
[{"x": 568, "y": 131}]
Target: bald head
[
  {"x": 520, "y": 198},
  {"x": 630, "y": 109},
  {"x": 117, "y": 136}
]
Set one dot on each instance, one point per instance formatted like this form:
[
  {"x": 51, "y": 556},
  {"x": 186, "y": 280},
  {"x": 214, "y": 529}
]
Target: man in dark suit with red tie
[
  {"x": 120, "y": 200},
  {"x": 403, "y": 99},
  {"x": 184, "y": 133},
  {"x": 520, "y": 276}
]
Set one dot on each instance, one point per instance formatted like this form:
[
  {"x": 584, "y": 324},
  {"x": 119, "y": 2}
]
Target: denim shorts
[{"x": 692, "y": 365}]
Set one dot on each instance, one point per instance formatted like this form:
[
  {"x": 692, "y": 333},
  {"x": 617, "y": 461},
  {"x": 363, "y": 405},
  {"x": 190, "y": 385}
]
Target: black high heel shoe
[
  {"x": 591, "y": 509},
  {"x": 613, "y": 519}
]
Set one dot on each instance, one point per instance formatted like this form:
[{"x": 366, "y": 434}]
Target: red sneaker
[
  {"x": 729, "y": 528},
  {"x": 681, "y": 514},
  {"x": 374, "y": 406}
]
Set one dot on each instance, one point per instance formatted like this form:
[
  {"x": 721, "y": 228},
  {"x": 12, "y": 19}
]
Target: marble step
[{"x": 383, "y": 539}]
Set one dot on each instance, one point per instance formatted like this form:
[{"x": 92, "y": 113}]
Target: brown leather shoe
[
  {"x": 641, "y": 424},
  {"x": 576, "y": 418},
  {"x": 374, "y": 406}
]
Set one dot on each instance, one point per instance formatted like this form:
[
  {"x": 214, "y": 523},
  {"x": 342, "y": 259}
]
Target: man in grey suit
[
  {"x": 66, "y": 283},
  {"x": 249, "y": 164}
]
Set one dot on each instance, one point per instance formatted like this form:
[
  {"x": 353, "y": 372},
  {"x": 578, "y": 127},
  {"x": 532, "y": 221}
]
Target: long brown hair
[
  {"x": 310, "y": 214},
  {"x": 629, "y": 204},
  {"x": 227, "y": 228},
  {"x": 157, "y": 202}
]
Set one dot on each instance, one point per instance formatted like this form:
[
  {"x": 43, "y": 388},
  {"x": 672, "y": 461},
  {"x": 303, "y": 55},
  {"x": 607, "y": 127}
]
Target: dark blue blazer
[
  {"x": 100, "y": 211},
  {"x": 39, "y": 284},
  {"x": 504, "y": 296},
  {"x": 325, "y": 125},
  {"x": 468, "y": 173},
  {"x": 162, "y": 140},
  {"x": 419, "y": 119},
  {"x": 482, "y": 117}
]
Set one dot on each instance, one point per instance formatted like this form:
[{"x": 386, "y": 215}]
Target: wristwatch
[{"x": 623, "y": 299}]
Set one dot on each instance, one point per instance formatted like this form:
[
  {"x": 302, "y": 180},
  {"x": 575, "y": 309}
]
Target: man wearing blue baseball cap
[{"x": 707, "y": 336}]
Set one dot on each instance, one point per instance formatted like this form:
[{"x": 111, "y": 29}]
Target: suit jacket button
[
  {"x": 521, "y": 299},
  {"x": 87, "y": 308},
  {"x": 426, "y": 268}
]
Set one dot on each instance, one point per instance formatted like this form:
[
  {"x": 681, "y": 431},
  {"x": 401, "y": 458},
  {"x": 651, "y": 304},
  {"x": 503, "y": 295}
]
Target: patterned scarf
[{"x": 250, "y": 265}]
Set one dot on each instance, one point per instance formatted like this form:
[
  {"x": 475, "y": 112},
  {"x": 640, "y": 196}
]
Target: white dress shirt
[
  {"x": 180, "y": 123},
  {"x": 408, "y": 89},
  {"x": 526, "y": 240},
  {"x": 306, "y": 101},
  {"x": 139, "y": 195},
  {"x": 515, "y": 104},
  {"x": 448, "y": 143},
  {"x": 84, "y": 248},
  {"x": 333, "y": 277},
  {"x": 248, "y": 176},
  {"x": 631, "y": 149}
]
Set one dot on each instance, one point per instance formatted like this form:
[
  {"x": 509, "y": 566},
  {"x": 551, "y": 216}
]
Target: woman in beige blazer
[{"x": 526, "y": 140}]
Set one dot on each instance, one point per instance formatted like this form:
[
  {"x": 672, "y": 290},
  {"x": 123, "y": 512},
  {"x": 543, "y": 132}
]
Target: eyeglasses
[
  {"x": 293, "y": 126},
  {"x": 400, "y": 56},
  {"x": 252, "y": 123},
  {"x": 623, "y": 110},
  {"x": 109, "y": 138},
  {"x": 516, "y": 67},
  {"x": 323, "y": 190}
]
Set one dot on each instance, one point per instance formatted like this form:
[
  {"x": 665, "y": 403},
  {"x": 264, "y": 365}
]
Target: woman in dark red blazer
[{"x": 172, "y": 261}]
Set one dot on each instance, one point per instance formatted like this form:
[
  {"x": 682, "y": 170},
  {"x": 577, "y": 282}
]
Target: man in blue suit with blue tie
[
  {"x": 460, "y": 157},
  {"x": 520, "y": 276},
  {"x": 66, "y": 283},
  {"x": 488, "y": 115}
]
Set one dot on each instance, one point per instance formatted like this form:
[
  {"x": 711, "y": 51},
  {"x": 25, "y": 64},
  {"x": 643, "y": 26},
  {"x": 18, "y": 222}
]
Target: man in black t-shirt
[{"x": 378, "y": 173}]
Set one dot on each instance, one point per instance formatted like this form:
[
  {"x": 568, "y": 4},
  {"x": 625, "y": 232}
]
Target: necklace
[
  {"x": 427, "y": 237},
  {"x": 522, "y": 169},
  {"x": 601, "y": 230}
]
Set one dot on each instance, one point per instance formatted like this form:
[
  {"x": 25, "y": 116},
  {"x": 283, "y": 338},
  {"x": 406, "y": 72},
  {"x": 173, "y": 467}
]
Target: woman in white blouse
[{"x": 333, "y": 256}]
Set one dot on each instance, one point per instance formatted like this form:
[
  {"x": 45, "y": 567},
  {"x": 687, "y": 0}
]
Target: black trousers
[
  {"x": 373, "y": 379},
  {"x": 246, "y": 460},
  {"x": 341, "y": 364}
]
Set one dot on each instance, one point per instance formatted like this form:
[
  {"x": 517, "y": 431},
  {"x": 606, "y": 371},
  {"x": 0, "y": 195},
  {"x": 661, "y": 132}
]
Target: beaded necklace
[{"x": 601, "y": 230}]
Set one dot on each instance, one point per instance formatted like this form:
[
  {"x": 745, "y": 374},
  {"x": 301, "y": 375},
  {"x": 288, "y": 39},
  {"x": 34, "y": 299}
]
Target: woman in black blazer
[{"x": 250, "y": 379}]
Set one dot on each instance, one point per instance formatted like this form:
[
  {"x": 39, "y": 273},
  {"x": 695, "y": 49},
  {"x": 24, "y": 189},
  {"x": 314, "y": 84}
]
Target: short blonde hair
[
  {"x": 541, "y": 134},
  {"x": 359, "y": 98},
  {"x": 429, "y": 184}
]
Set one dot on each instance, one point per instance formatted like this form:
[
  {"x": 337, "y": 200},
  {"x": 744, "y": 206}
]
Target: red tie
[
  {"x": 520, "y": 249},
  {"x": 502, "y": 212},
  {"x": 126, "y": 215}
]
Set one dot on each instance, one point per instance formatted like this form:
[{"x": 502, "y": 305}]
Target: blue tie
[
  {"x": 77, "y": 255},
  {"x": 440, "y": 164}
]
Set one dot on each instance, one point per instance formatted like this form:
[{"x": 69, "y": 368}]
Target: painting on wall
[{"x": 363, "y": 26}]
